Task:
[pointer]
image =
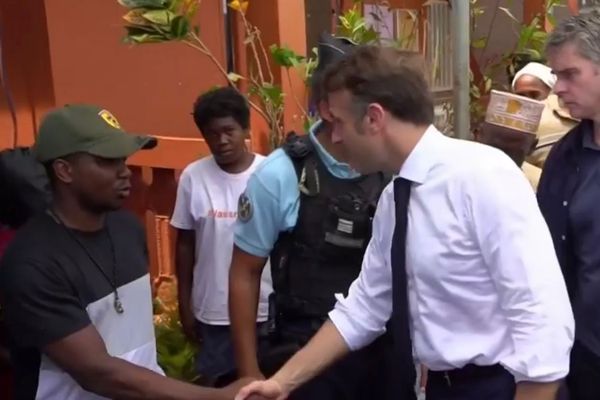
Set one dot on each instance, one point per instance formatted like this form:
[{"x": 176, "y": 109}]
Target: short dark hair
[
  {"x": 221, "y": 103},
  {"x": 51, "y": 173},
  {"x": 49, "y": 168},
  {"x": 396, "y": 79},
  {"x": 317, "y": 92},
  {"x": 583, "y": 30}
]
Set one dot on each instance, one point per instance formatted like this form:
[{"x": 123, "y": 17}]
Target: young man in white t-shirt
[{"x": 204, "y": 215}]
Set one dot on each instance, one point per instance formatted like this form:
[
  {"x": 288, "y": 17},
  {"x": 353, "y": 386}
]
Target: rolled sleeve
[
  {"x": 361, "y": 316},
  {"x": 273, "y": 195},
  {"x": 182, "y": 217},
  {"x": 517, "y": 247},
  {"x": 259, "y": 232}
]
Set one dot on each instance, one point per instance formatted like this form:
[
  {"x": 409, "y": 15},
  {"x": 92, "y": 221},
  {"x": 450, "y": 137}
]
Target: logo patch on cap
[{"x": 109, "y": 119}]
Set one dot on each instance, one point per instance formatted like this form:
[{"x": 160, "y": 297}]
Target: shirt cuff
[
  {"x": 354, "y": 337},
  {"x": 541, "y": 369},
  {"x": 181, "y": 225},
  {"x": 554, "y": 377},
  {"x": 250, "y": 249}
]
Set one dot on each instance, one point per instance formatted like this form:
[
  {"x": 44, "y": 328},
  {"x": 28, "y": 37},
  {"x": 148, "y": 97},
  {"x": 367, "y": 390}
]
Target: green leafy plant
[
  {"x": 156, "y": 21},
  {"x": 531, "y": 37},
  {"x": 304, "y": 67},
  {"x": 176, "y": 354},
  {"x": 529, "y": 46},
  {"x": 353, "y": 25}
]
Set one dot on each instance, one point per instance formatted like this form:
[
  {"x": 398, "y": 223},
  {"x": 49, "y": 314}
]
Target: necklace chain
[{"x": 117, "y": 304}]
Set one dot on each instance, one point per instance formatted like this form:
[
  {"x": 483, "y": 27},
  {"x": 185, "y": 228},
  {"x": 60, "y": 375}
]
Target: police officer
[
  {"x": 311, "y": 213},
  {"x": 556, "y": 121}
]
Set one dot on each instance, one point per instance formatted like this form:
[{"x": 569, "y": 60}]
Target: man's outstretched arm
[
  {"x": 326, "y": 347},
  {"x": 83, "y": 355}
]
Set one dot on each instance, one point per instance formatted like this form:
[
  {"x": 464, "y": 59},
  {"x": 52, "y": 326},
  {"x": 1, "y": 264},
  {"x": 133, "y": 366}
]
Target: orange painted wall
[
  {"x": 150, "y": 88},
  {"x": 284, "y": 23},
  {"x": 27, "y": 75}
]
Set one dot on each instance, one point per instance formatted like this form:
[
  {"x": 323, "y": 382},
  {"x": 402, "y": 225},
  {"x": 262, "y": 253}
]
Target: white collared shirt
[{"x": 484, "y": 283}]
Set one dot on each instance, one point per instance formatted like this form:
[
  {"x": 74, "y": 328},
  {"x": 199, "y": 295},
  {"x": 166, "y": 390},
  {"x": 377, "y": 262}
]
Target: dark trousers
[
  {"x": 583, "y": 381},
  {"x": 471, "y": 383},
  {"x": 215, "y": 363}
]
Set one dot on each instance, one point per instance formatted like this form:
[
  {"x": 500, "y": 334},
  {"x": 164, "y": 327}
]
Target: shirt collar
[
  {"x": 422, "y": 158},
  {"x": 337, "y": 168},
  {"x": 588, "y": 136}
]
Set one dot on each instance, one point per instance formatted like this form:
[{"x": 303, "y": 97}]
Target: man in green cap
[{"x": 74, "y": 282}]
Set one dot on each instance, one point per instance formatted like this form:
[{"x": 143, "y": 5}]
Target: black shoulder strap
[{"x": 298, "y": 148}]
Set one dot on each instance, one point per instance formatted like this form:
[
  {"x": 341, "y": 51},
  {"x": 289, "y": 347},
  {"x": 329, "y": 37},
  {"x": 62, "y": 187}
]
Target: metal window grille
[
  {"x": 438, "y": 45},
  {"x": 398, "y": 27}
]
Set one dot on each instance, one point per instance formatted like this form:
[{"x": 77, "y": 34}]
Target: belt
[{"x": 468, "y": 373}]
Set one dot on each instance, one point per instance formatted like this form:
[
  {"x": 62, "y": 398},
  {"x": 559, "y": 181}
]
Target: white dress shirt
[{"x": 484, "y": 283}]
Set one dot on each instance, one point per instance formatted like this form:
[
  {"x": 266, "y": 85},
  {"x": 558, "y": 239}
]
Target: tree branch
[{"x": 201, "y": 47}]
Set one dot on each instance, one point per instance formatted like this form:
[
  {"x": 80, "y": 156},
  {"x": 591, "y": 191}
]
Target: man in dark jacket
[{"x": 569, "y": 190}]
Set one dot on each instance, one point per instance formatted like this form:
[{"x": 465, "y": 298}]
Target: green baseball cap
[{"x": 83, "y": 128}]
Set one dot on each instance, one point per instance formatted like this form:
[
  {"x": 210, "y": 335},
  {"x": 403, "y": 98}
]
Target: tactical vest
[{"x": 323, "y": 253}]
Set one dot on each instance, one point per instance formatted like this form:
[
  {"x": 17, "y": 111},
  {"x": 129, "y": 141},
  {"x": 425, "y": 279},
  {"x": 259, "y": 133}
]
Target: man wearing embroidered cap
[
  {"x": 86, "y": 129},
  {"x": 74, "y": 283},
  {"x": 510, "y": 125},
  {"x": 569, "y": 189}
]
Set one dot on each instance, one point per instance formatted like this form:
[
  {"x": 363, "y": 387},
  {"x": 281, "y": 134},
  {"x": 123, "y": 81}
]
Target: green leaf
[
  {"x": 359, "y": 26},
  {"x": 143, "y": 3},
  {"x": 137, "y": 35},
  {"x": 180, "y": 27},
  {"x": 479, "y": 43},
  {"x": 369, "y": 36},
  {"x": 285, "y": 56},
  {"x": 534, "y": 53},
  {"x": 135, "y": 17},
  {"x": 271, "y": 93},
  {"x": 159, "y": 17},
  {"x": 539, "y": 35}
]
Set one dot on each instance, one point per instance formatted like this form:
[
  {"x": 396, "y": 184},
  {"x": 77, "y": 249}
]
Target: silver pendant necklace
[{"x": 117, "y": 304}]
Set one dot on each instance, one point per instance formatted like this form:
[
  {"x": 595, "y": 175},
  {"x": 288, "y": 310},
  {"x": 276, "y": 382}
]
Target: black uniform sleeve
[{"x": 40, "y": 305}]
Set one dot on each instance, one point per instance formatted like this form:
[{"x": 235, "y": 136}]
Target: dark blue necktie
[{"x": 399, "y": 324}]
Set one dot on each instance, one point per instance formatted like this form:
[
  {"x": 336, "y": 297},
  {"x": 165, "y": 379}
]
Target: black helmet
[{"x": 329, "y": 49}]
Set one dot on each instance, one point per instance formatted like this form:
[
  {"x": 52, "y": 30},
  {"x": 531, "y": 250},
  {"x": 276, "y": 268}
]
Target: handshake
[{"x": 252, "y": 389}]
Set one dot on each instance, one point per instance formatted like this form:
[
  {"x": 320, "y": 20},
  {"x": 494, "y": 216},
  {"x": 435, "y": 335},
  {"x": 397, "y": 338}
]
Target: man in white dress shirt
[{"x": 487, "y": 311}]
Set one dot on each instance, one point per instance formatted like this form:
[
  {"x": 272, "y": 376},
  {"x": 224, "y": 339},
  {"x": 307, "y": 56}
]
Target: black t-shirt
[{"x": 49, "y": 289}]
